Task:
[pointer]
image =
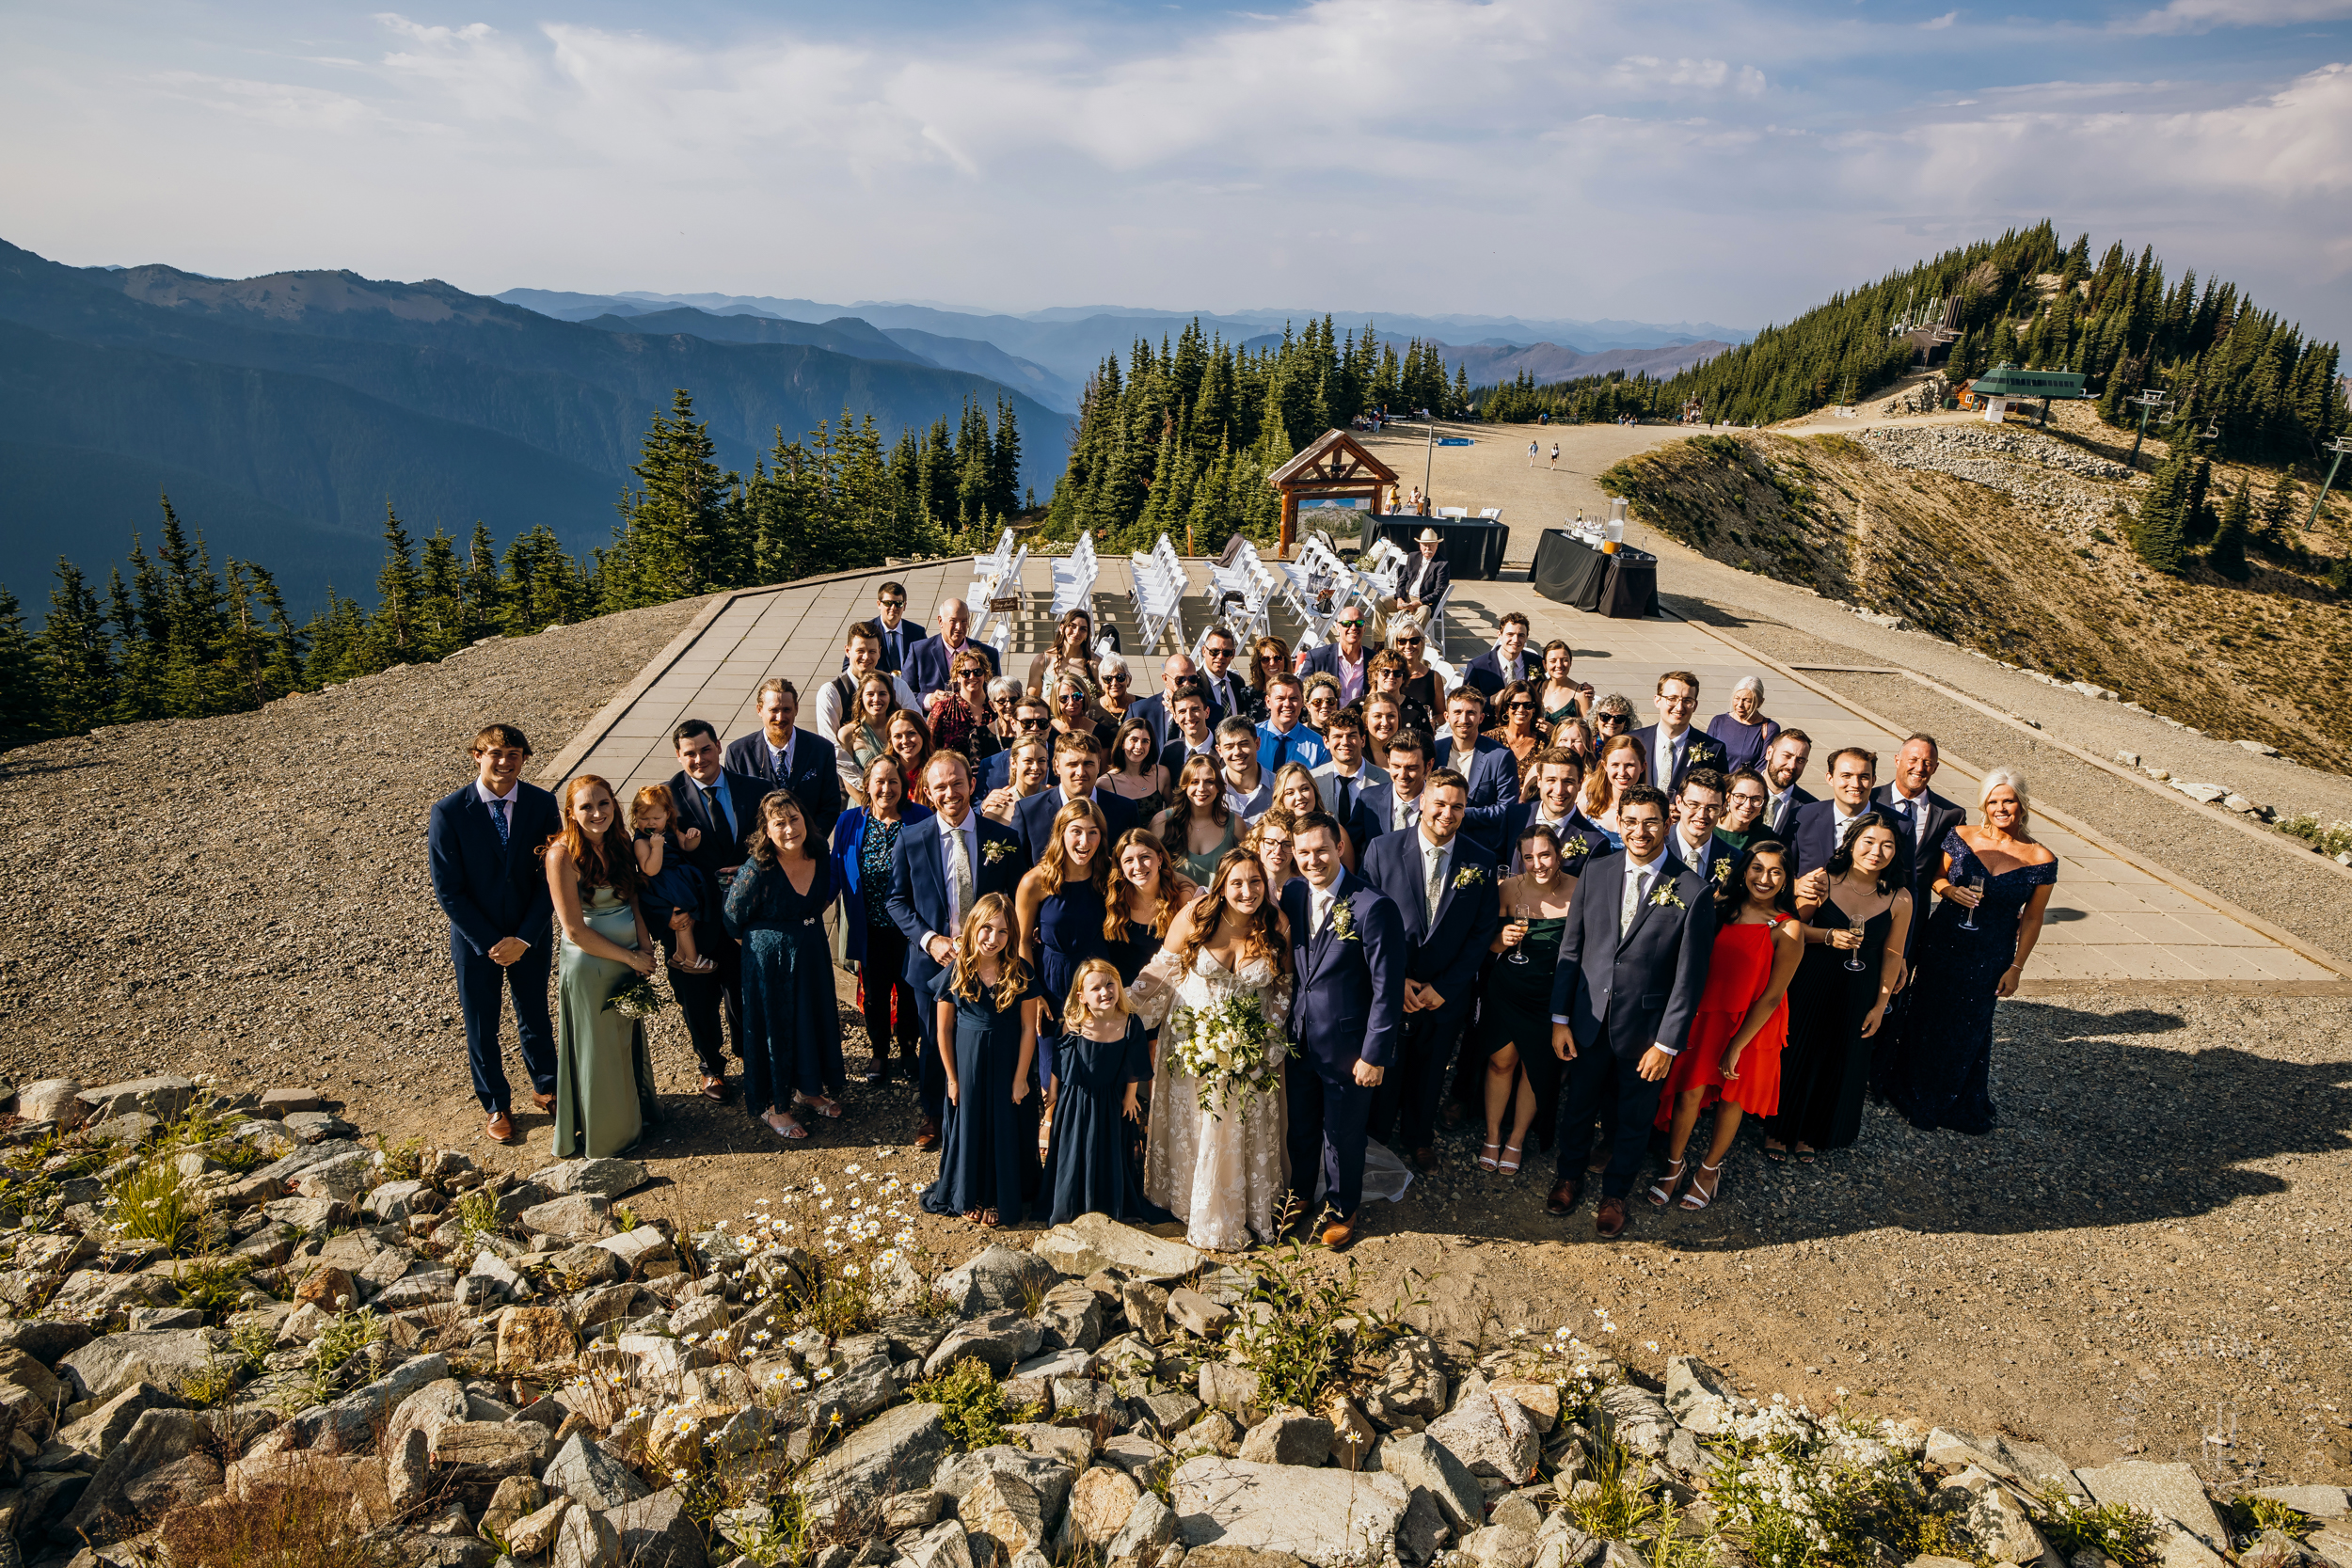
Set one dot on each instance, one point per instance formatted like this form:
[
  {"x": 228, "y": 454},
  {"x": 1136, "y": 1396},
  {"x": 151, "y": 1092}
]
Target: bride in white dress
[{"x": 1225, "y": 1173}]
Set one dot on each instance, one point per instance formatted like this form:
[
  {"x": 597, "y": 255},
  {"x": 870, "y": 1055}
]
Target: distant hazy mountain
[
  {"x": 1496, "y": 361},
  {"x": 847, "y": 335},
  {"x": 282, "y": 412},
  {"x": 1069, "y": 342}
]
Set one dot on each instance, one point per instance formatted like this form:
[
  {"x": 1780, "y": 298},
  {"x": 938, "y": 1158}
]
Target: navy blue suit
[
  {"x": 1494, "y": 789},
  {"x": 1376, "y": 805},
  {"x": 492, "y": 890},
  {"x": 1580, "y": 843},
  {"x": 1699, "y": 750},
  {"x": 918, "y": 903},
  {"x": 1445, "y": 955},
  {"x": 928, "y": 662},
  {"x": 1711, "y": 860},
  {"x": 1346, "y": 1005},
  {"x": 1817, "y": 838},
  {"x": 712, "y": 1000},
  {"x": 1621, "y": 995},
  {"x": 1152, "y": 710},
  {"x": 1323, "y": 659},
  {"x": 816, "y": 777},
  {"x": 1233, "y": 698},
  {"x": 1486, "y": 673},
  {"x": 1033, "y": 819}
]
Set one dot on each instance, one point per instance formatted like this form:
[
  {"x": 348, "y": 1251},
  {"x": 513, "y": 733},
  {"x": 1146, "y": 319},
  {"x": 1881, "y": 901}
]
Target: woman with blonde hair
[
  {"x": 988, "y": 1021},
  {"x": 603, "y": 1075},
  {"x": 1618, "y": 768},
  {"x": 1992, "y": 891},
  {"x": 1296, "y": 792}
]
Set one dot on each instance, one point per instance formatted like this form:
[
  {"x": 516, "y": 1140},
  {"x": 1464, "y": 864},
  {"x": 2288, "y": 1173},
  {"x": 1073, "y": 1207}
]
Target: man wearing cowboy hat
[{"x": 1422, "y": 584}]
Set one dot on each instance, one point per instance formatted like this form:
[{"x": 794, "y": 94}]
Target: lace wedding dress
[{"x": 1224, "y": 1173}]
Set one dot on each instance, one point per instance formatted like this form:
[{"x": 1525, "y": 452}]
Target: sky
[{"x": 1704, "y": 160}]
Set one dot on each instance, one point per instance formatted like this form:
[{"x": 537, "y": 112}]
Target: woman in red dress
[{"x": 1731, "y": 1057}]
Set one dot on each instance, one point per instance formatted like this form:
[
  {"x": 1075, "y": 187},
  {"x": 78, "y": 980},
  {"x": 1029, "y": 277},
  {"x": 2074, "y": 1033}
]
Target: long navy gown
[
  {"x": 1068, "y": 932},
  {"x": 988, "y": 1144},
  {"x": 791, "y": 1021},
  {"x": 1943, "y": 1076},
  {"x": 1090, "y": 1163}
]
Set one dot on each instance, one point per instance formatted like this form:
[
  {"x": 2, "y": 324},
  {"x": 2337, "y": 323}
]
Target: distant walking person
[
  {"x": 482, "y": 843},
  {"x": 1555, "y": 454},
  {"x": 1532, "y": 450}
]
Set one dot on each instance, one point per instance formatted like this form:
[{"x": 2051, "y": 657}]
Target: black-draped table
[
  {"x": 1472, "y": 548},
  {"x": 1622, "y": 584}
]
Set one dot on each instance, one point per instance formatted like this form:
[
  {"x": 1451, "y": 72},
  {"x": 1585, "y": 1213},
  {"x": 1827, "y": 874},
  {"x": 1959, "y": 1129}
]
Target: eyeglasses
[
  {"x": 1071, "y": 697},
  {"x": 1115, "y": 680},
  {"x": 1357, "y": 622},
  {"x": 1033, "y": 723},
  {"x": 1521, "y": 704}
]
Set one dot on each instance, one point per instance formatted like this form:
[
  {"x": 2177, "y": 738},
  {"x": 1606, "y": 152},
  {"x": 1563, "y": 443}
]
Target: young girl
[
  {"x": 675, "y": 891},
  {"x": 1731, "y": 1058},
  {"x": 1099, "y": 1063},
  {"x": 987, "y": 1012}
]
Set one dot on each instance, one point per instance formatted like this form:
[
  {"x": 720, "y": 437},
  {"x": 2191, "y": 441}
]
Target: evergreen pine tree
[
  {"x": 399, "y": 598},
  {"x": 674, "y": 541},
  {"x": 480, "y": 585},
  {"x": 26, "y": 714},
  {"x": 2227, "y": 554},
  {"x": 2281, "y": 507},
  {"x": 283, "y": 673},
  {"x": 77, "y": 656},
  {"x": 2156, "y": 533},
  {"x": 442, "y": 629}
]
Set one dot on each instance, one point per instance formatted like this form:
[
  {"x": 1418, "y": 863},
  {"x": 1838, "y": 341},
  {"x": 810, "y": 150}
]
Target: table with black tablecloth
[
  {"x": 1622, "y": 584},
  {"x": 1472, "y": 548}
]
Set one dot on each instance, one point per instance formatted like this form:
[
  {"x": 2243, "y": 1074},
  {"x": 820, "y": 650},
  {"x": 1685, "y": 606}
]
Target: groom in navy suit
[
  {"x": 939, "y": 868},
  {"x": 482, "y": 843},
  {"x": 1348, "y": 958},
  {"x": 1632, "y": 966},
  {"x": 780, "y": 756}
]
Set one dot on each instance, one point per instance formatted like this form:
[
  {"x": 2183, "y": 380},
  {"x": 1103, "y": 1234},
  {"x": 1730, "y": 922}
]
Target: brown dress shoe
[
  {"x": 544, "y": 1101},
  {"x": 501, "y": 1128},
  {"x": 1338, "y": 1230},
  {"x": 1425, "y": 1160},
  {"x": 1608, "y": 1219},
  {"x": 1565, "y": 1196},
  {"x": 927, "y": 1135},
  {"x": 714, "y": 1087}
]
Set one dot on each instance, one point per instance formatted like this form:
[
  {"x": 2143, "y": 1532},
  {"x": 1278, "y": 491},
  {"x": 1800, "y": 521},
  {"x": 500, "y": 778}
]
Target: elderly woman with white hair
[
  {"x": 1992, "y": 887},
  {"x": 1745, "y": 733}
]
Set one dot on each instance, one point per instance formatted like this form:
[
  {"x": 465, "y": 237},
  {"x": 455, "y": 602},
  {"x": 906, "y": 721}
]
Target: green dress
[{"x": 603, "y": 1074}]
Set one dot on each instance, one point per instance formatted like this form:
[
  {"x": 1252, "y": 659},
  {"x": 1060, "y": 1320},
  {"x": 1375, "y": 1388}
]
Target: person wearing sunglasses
[
  {"x": 1323, "y": 703},
  {"x": 1613, "y": 715},
  {"x": 1422, "y": 684},
  {"x": 890, "y": 609},
  {"x": 1118, "y": 701},
  {"x": 1345, "y": 658},
  {"x": 1075, "y": 710},
  {"x": 1516, "y": 728},
  {"x": 1032, "y": 719},
  {"x": 958, "y": 710},
  {"x": 1230, "y": 696}
]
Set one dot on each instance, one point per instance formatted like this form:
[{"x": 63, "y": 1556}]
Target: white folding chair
[{"x": 1073, "y": 580}]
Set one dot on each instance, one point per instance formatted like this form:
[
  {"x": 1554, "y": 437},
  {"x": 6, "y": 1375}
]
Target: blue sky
[{"x": 1730, "y": 161}]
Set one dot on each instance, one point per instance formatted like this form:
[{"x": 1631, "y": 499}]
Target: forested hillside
[
  {"x": 1183, "y": 437},
  {"x": 2249, "y": 377}
]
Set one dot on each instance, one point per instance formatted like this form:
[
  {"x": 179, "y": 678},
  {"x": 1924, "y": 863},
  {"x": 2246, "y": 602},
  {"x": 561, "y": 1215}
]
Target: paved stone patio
[{"x": 2111, "y": 918}]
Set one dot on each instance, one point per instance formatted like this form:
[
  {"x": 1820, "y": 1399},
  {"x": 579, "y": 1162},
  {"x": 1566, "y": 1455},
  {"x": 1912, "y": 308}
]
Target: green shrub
[
  {"x": 152, "y": 1204},
  {"x": 1299, "y": 1349},
  {"x": 1619, "y": 1508},
  {"x": 2254, "y": 1514},
  {"x": 2131, "y": 1536},
  {"x": 976, "y": 1412}
]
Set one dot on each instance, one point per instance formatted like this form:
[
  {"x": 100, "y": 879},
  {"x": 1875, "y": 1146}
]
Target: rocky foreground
[{"x": 237, "y": 1336}]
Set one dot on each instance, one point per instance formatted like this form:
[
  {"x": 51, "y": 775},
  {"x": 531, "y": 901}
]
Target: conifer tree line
[
  {"x": 2028, "y": 300},
  {"x": 175, "y": 637},
  {"x": 1183, "y": 435},
  {"x": 2181, "y": 513}
]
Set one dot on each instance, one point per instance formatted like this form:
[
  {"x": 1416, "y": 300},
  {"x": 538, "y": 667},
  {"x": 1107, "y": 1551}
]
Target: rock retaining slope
[{"x": 226, "y": 1316}]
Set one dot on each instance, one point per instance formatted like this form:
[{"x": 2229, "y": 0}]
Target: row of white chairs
[
  {"x": 1157, "y": 591},
  {"x": 1074, "y": 578},
  {"x": 1241, "y": 589},
  {"x": 995, "y": 603}
]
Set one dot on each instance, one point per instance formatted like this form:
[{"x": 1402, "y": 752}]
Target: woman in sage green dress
[{"x": 603, "y": 1074}]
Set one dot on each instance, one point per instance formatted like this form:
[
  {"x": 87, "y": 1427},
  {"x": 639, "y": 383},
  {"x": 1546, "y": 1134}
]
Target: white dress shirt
[
  {"x": 1669, "y": 757},
  {"x": 507, "y": 802},
  {"x": 832, "y": 712},
  {"x": 969, "y": 830}
]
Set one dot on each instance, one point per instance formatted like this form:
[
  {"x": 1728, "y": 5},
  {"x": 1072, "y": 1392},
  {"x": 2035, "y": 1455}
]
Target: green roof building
[{"x": 2005, "y": 384}]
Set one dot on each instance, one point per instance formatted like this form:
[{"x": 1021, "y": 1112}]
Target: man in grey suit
[{"x": 1632, "y": 966}]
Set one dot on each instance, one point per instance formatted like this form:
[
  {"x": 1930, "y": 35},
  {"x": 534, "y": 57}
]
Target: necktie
[
  {"x": 720, "y": 816},
  {"x": 959, "y": 876},
  {"x": 497, "y": 814},
  {"x": 1322, "y": 902},
  {"x": 1436, "y": 882},
  {"x": 1633, "y": 882},
  {"x": 1347, "y": 795}
]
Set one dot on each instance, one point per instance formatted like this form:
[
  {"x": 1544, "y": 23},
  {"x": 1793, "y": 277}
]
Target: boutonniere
[
  {"x": 1342, "y": 923},
  {"x": 1722, "y": 870},
  {"x": 1664, "y": 896},
  {"x": 1575, "y": 845},
  {"x": 994, "y": 851},
  {"x": 1470, "y": 876}
]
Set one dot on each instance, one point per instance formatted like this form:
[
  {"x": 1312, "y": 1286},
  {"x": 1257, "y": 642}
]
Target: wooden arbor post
[{"x": 1334, "y": 465}]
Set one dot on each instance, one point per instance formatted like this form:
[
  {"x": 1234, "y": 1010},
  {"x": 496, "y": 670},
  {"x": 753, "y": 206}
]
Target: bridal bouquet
[
  {"x": 639, "y": 998},
  {"x": 1229, "y": 1048}
]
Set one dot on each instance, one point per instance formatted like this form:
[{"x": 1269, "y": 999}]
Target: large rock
[
  {"x": 165, "y": 1358},
  {"x": 996, "y": 1279},
  {"x": 1411, "y": 1392},
  {"x": 895, "y": 1452},
  {"x": 1560, "y": 1544},
  {"x": 1044, "y": 1474},
  {"x": 2009, "y": 1459},
  {"x": 1637, "y": 1418},
  {"x": 1232, "y": 1389},
  {"x": 124, "y": 1488},
  {"x": 1493, "y": 1436},
  {"x": 491, "y": 1451},
  {"x": 1994, "y": 1518},
  {"x": 854, "y": 1393},
  {"x": 1541, "y": 1401},
  {"x": 45, "y": 1338},
  {"x": 1101, "y": 1502},
  {"x": 348, "y": 1425},
  {"x": 1288, "y": 1437},
  {"x": 407, "y": 1470},
  {"x": 1072, "y": 1316},
  {"x": 581, "y": 1216},
  {"x": 647, "y": 1243},
  {"x": 2173, "y": 1493},
  {"x": 1196, "y": 1314},
  {"x": 1327, "y": 1517},
  {"x": 429, "y": 1409},
  {"x": 2320, "y": 1502},
  {"x": 585, "y": 1472},
  {"x": 585, "y": 1539},
  {"x": 604, "y": 1177},
  {"x": 1007, "y": 1511},
  {"x": 98, "y": 1432},
  {"x": 1419, "y": 1460},
  {"x": 1698, "y": 1395},
  {"x": 57, "y": 1100},
  {"x": 1093, "y": 1242},
  {"x": 657, "y": 1531},
  {"x": 529, "y": 1336},
  {"x": 1151, "y": 1526},
  {"x": 942, "y": 1546},
  {"x": 1002, "y": 1340},
  {"x": 534, "y": 1532},
  {"x": 161, "y": 1098}
]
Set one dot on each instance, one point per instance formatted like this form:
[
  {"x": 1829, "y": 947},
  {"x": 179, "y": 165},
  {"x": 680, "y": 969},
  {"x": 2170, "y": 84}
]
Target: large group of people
[{"x": 1189, "y": 954}]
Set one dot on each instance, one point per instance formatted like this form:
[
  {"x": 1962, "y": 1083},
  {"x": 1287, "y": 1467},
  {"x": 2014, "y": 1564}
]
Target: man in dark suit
[
  {"x": 724, "y": 806},
  {"x": 1633, "y": 967},
  {"x": 1921, "y": 819},
  {"x": 1078, "y": 763},
  {"x": 897, "y": 632},
  {"x": 1559, "y": 774},
  {"x": 482, "y": 844},
  {"x": 1691, "y": 841},
  {"x": 1443, "y": 886},
  {"x": 1157, "y": 711},
  {"x": 1394, "y": 805},
  {"x": 1346, "y": 660},
  {"x": 1032, "y": 716},
  {"x": 939, "y": 868},
  {"x": 1506, "y": 661},
  {"x": 1491, "y": 767},
  {"x": 1421, "y": 582},
  {"x": 928, "y": 662},
  {"x": 1349, "y": 958},
  {"x": 1343, "y": 781},
  {"x": 780, "y": 756},
  {"x": 1784, "y": 764},
  {"x": 1823, "y": 827},
  {"x": 1670, "y": 747},
  {"x": 1230, "y": 696},
  {"x": 1191, "y": 732}
]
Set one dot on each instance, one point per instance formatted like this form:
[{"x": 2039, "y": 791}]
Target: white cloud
[
  {"x": 1937, "y": 24},
  {"x": 2197, "y": 16}
]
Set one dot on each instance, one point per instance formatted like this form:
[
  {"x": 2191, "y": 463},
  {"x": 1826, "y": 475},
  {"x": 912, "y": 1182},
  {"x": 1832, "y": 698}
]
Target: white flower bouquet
[{"x": 1229, "y": 1049}]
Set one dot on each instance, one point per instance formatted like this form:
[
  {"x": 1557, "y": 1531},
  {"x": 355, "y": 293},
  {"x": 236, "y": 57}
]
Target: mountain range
[{"x": 281, "y": 413}]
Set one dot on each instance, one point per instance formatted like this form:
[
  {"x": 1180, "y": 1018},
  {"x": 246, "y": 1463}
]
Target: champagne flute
[
  {"x": 1975, "y": 886},
  {"x": 1519, "y": 949},
  {"x": 1853, "y": 954}
]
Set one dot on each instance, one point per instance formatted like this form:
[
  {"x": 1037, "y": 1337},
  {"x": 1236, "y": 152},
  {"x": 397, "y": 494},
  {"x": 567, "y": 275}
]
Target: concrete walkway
[{"x": 2114, "y": 916}]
